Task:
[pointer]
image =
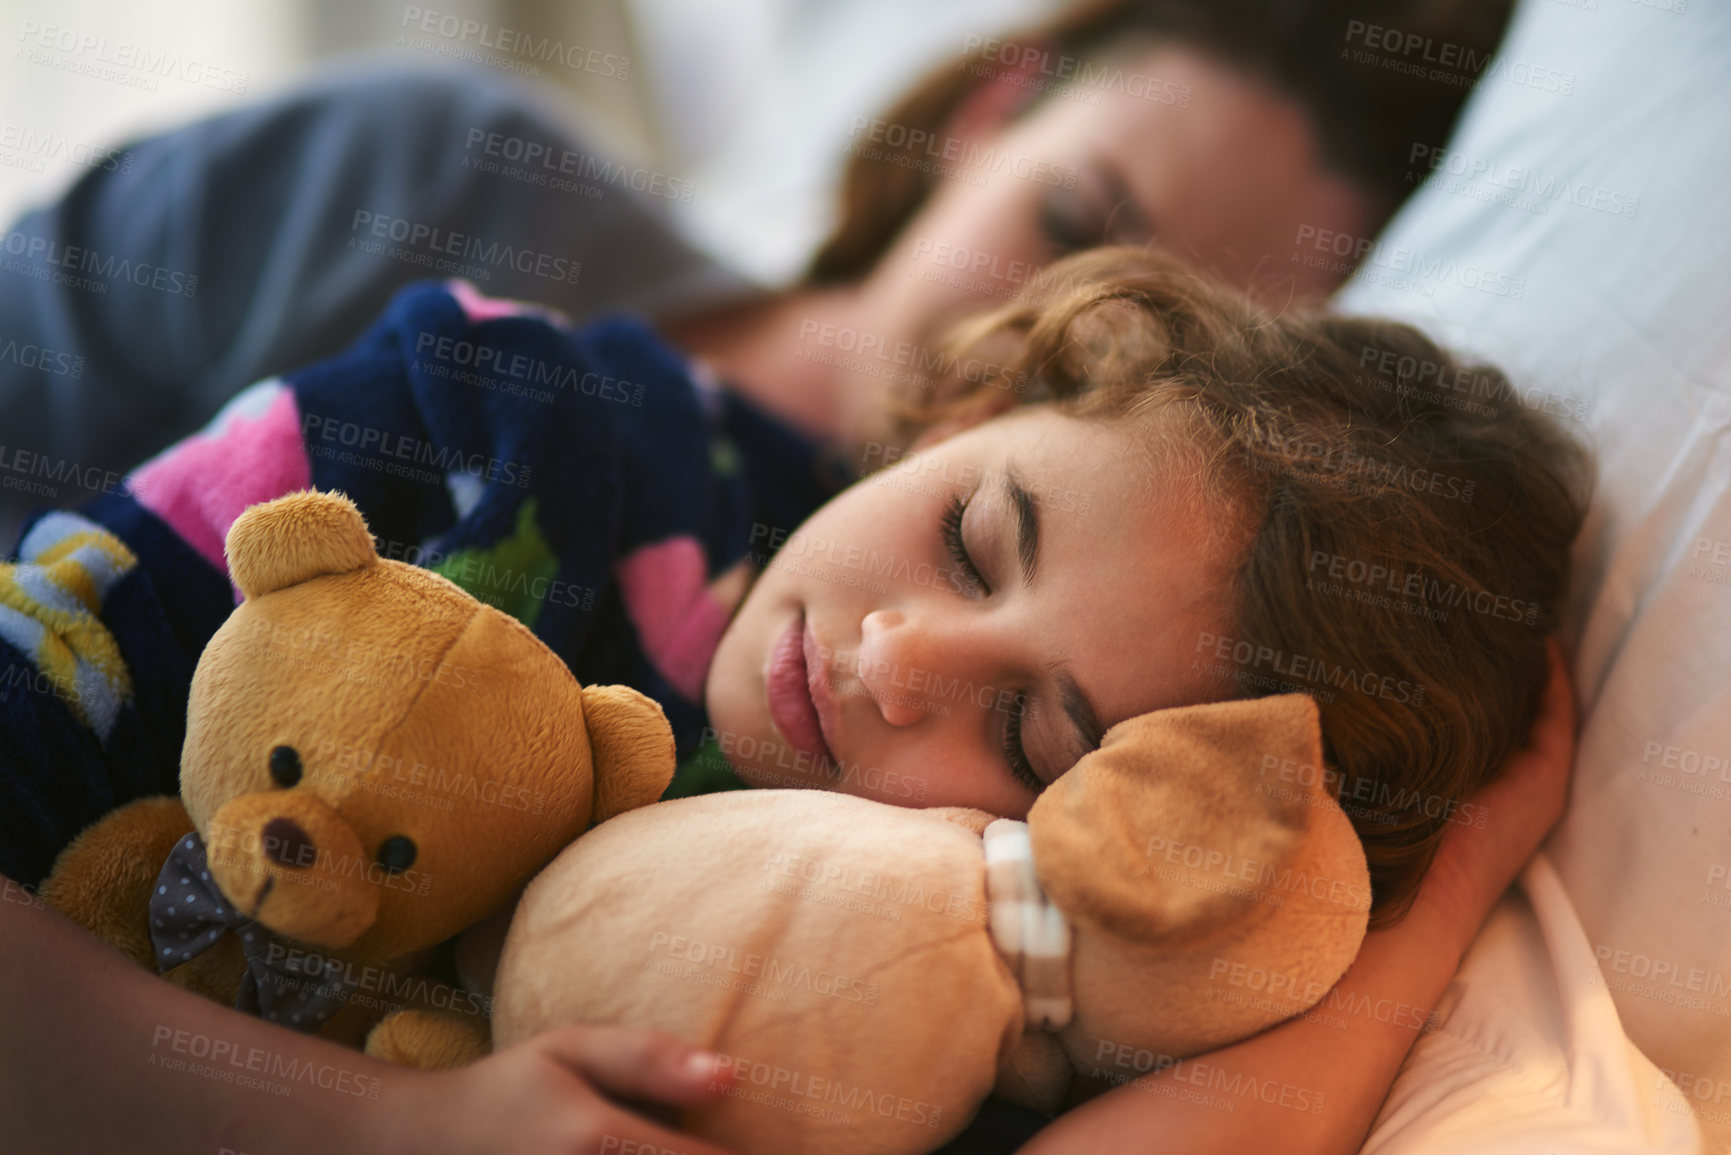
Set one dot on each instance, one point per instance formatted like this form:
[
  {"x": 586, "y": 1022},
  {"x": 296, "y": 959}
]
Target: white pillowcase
[{"x": 1577, "y": 233}]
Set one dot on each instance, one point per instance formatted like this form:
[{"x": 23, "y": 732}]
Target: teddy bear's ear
[
  {"x": 302, "y": 535},
  {"x": 633, "y": 748}
]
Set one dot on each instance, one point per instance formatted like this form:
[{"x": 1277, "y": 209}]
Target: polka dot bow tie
[{"x": 284, "y": 983}]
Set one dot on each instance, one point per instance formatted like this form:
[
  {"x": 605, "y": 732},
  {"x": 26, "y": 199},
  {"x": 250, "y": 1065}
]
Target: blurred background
[{"x": 751, "y": 100}]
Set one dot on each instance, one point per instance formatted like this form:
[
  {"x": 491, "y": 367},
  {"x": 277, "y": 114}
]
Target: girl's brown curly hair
[{"x": 1401, "y": 522}]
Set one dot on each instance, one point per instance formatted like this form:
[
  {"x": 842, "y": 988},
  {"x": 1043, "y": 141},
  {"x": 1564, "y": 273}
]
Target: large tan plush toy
[
  {"x": 374, "y": 761},
  {"x": 874, "y": 973}
]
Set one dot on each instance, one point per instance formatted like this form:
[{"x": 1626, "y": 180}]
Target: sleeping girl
[
  {"x": 1160, "y": 494},
  {"x": 1177, "y": 499}
]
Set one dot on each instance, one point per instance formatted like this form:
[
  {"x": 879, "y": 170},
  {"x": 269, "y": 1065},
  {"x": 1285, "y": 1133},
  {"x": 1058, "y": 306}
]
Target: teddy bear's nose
[{"x": 287, "y": 843}]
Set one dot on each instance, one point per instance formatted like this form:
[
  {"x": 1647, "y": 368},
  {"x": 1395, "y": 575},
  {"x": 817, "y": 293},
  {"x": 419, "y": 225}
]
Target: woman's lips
[{"x": 795, "y": 686}]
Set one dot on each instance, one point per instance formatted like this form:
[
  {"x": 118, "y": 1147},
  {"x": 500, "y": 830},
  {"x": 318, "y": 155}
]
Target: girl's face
[{"x": 962, "y": 626}]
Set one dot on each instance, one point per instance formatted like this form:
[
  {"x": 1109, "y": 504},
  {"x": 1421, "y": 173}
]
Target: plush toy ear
[
  {"x": 1196, "y": 843},
  {"x": 296, "y": 537},
  {"x": 1183, "y": 815}
]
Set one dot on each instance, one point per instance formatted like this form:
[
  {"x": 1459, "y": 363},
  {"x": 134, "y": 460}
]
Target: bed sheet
[{"x": 1531, "y": 1056}]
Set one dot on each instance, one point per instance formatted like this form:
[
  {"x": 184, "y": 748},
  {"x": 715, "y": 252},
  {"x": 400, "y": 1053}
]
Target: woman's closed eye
[
  {"x": 1099, "y": 209},
  {"x": 1068, "y": 222},
  {"x": 1014, "y": 755}
]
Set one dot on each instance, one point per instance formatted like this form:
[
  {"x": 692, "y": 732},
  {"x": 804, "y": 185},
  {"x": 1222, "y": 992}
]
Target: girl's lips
[
  {"x": 791, "y": 682},
  {"x": 822, "y": 693}
]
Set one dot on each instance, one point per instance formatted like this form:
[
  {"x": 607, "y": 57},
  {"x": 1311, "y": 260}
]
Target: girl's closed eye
[
  {"x": 952, "y": 530},
  {"x": 1014, "y": 754}
]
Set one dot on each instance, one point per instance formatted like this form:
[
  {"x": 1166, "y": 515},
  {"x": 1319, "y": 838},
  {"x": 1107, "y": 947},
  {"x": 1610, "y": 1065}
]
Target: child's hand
[
  {"x": 1475, "y": 864},
  {"x": 558, "y": 1092}
]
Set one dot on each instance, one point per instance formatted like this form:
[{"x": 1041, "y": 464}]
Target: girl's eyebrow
[{"x": 1077, "y": 708}]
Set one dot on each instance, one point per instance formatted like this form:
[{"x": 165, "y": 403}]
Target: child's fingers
[
  {"x": 1550, "y": 745},
  {"x": 1552, "y": 734},
  {"x": 1556, "y": 721},
  {"x": 1520, "y": 806},
  {"x": 639, "y": 1065}
]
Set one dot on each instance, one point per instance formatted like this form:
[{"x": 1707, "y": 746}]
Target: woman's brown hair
[
  {"x": 1368, "y": 114},
  {"x": 1400, "y": 523}
]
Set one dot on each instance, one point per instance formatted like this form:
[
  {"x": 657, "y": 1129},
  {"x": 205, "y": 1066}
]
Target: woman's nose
[{"x": 910, "y": 665}]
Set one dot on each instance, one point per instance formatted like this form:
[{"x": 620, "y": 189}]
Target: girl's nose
[
  {"x": 889, "y": 651},
  {"x": 905, "y": 661}
]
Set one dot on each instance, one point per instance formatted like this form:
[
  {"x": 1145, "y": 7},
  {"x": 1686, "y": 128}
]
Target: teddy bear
[
  {"x": 872, "y": 973},
  {"x": 374, "y": 761}
]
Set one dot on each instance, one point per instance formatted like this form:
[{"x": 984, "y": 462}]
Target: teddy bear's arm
[{"x": 103, "y": 880}]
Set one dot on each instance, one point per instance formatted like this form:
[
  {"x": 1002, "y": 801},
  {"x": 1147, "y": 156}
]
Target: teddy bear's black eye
[
  {"x": 285, "y": 766},
  {"x": 397, "y": 854}
]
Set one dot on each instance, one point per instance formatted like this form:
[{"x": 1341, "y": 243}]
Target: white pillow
[{"x": 1576, "y": 232}]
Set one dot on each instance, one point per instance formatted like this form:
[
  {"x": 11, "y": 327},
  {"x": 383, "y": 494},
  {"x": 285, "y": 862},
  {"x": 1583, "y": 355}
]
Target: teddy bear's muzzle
[{"x": 293, "y": 864}]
